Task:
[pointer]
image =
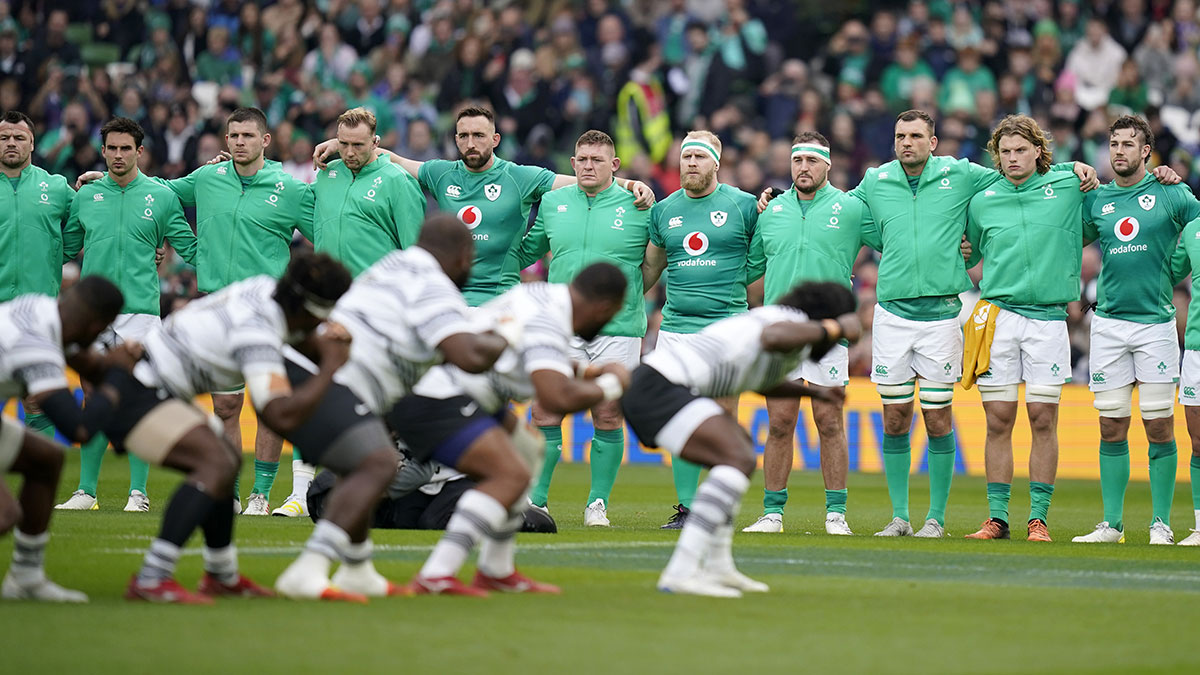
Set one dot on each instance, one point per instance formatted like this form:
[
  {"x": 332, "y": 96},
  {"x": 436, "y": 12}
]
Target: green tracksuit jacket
[
  {"x": 361, "y": 218},
  {"x": 578, "y": 232},
  {"x": 1031, "y": 240},
  {"x": 32, "y": 216},
  {"x": 119, "y": 230},
  {"x": 243, "y": 232},
  {"x": 816, "y": 243}
]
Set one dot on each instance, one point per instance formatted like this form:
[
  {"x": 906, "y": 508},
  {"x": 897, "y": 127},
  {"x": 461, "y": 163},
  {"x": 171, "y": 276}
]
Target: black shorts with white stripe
[
  {"x": 341, "y": 432},
  {"x": 651, "y": 402}
]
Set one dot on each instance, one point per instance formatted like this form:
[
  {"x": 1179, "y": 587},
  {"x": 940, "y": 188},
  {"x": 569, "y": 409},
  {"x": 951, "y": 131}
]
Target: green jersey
[
  {"x": 1137, "y": 227},
  {"x": 918, "y": 232},
  {"x": 817, "y": 240},
  {"x": 362, "y": 217},
  {"x": 495, "y": 205},
  {"x": 707, "y": 241},
  {"x": 32, "y": 217},
  {"x": 1187, "y": 258},
  {"x": 120, "y": 228},
  {"x": 1030, "y": 237},
  {"x": 579, "y": 231},
  {"x": 244, "y": 230}
]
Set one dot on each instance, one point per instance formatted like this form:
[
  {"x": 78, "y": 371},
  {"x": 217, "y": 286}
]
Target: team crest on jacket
[
  {"x": 718, "y": 218},
  {"x": 1146, "y": 202},
  {"x": 491, "y": 191}
]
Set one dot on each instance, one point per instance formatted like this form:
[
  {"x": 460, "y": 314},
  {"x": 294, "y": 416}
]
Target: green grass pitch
[{"x": 847, "y": 605}]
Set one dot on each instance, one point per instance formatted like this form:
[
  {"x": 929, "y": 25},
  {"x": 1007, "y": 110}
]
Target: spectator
[
  {"x": 254, "y": 40},
  {"x": 52, "y": 44},
  {"x": 898, "y": 78},
  {"x": 964, "y": 82},
  {"x": 330, "y": 63},
  {"x": 370, "y": 30},
  {"x": 220, "y": 62},
  {"x": 1095, "y": 62},
  {"x": 1130, "y": 94}
]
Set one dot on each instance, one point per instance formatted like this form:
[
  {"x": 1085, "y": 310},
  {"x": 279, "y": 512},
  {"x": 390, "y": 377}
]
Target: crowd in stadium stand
[{"x": 754, "y": 72}]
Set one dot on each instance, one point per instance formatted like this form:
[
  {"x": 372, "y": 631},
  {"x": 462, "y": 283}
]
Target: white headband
[
  {"x": 812, "y": 150},
  {"x": 701, "y": 145}
]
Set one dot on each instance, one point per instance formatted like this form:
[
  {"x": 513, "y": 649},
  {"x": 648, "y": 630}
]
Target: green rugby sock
[
  {"x": 264, "y": 477},
  {"x": 40, "y": 424},
  {"x": 897, "y": 462},
  {"x": 608, "y": 449},
  {"x": 1039, "y": 500},
  {"x": 1195, "y": 473},
  {"x": 998, "y": 495},
  {"x": 1114, "y": 480},
  {"x": 1163, "y": 460},
  {"x": 774, "y": 501},
  {"x": 687, "y": 478},
  {"x": 835, "y": 501},
  {"x": 139, "y": 473},
  {"x": 541, "y": 490},
  {"x": 941, "y": 475},
  {"x": 91, "y": 455}
]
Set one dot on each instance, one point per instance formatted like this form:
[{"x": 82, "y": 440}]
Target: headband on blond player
[
  {"x": 700, "y": 145},
  {"x": 812, "y": 150}
]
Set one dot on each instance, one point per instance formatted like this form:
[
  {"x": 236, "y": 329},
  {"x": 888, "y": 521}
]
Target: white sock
[
  {"x": 712, "y": 508},
  {"x": 720, "y": 555},
  {"x": 357, "y": 554},
  {"x": 497, "y": 555},
  {"x": 475, "y": 516},
  {"x": 328, "y": 540},
  {"x": 159, "y": 562},
  {"x": 221, "y": 563},
  {"x": 29, "y": 553},
  {"x": 302, "y": 476}
]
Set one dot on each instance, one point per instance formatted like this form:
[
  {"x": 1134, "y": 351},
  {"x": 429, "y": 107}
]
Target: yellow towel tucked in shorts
[{"x": 977, "y": 341}]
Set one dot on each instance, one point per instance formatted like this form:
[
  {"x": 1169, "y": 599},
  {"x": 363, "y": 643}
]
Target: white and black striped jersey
[
  {"x": 727, "y": 357},
  {"x": 31, "y": 351},
  {"x": 544, "y": 313},
  {"x": 216, "y": 342},
  {"x": 398, "y": 311}
]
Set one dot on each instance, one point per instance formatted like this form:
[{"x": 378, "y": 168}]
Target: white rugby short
[
  {"x": 1189, "y": 379},
  {"x": 903, "y": 349},
  {"x": 831, "y": 371},
  {"x": 1028, "y": 350},
  {"x": 128, "y": 327},
  {"x": 603, "y": 349},
  {"x": 1123, "y": 352}
]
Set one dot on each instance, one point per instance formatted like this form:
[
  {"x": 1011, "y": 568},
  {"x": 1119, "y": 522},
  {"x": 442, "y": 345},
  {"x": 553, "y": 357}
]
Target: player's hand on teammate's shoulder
[
  {"x": 965, "y": 248},
  {"x": 87, "y": 177},
  {"x": 767, "y": 195},
  {"x": 643, "y": 195},
  {"x": 1166, "y": 175},
  {"x": 221, "y": 156},
  {"x": 1087, "y": 177},
  {"x": 324, "y": 152}
]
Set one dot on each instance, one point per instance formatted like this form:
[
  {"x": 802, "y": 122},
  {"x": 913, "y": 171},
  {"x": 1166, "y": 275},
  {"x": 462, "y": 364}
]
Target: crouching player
[
  {"x": 540, "y": 320},
  {"x": 406, "y": 314},
  {"x": 670, "y": 405},
  {"x": 35, "y": 330},
  {"x": 217, "y": 343}
]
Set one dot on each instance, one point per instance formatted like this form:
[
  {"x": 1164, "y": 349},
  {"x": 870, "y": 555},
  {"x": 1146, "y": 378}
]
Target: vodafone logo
[
  {"x": 470, "y": 216},
  {"x": 695, "y": 243},
  {"x": 1127, "y": 228}
]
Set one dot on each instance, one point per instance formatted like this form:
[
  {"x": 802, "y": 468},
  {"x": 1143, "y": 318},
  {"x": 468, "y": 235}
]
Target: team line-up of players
[{"x": 375, "y": 331}]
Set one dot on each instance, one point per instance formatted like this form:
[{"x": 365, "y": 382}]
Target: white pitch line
[{"x": 415, "y": 548}]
